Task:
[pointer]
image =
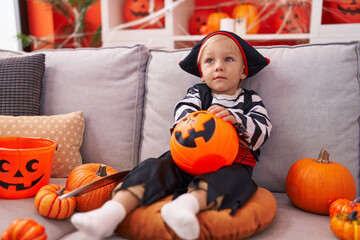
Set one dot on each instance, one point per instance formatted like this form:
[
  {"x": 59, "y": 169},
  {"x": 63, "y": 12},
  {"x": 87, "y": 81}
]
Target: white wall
[{"x": 9, "y": 25}]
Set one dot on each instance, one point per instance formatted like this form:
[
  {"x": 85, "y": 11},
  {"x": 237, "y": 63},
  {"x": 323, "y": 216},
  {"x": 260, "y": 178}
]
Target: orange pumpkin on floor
[
  {"x": 24, "y": 229},
  {"x": 202, "y": 143},
  {"x": 313, "y": 184},
  {"x": 87, "y": 173},
  {"x": 48, "y": 205}
]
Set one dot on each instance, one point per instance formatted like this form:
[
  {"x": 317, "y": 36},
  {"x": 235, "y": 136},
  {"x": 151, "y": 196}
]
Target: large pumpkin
[
  {"x": 137, "y": 9},
  {"x": 24, "y": 229},
  {"x": 87, "y": 173},
  {"x": 346, "y": 226},
  {"x": 345, "y": 11},
  {"x": 202, "y": 143},
  {"x": 313, "y": 184},
  {"x": 199, "y": 19},
  {"x": 344, "y": 206},
  {"x": 47, "y": 202},
  {"x": 250, "y": 13},
  {"x": 292, "y": 19}
]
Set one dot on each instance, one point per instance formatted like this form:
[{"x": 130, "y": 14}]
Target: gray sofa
[{"x": 127, "y": 95}]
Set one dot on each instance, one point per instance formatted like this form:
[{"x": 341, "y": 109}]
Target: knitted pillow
[
  {"x": 21, "y": 85},
  {"x": 254, "y": 217}
]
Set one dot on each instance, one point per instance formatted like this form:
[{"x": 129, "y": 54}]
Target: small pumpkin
[
  {"x": 213, "y": 22},
  {"x": 344, "y": 206},
  {"x": 313, "y": 184},
  {"x": 87, "y": 173},
  {"x": 47, "y": 202},
  {"x": 24, "y": 229},
  {"x": 199, "y": 19},
  {"x": 250, "y": 13},
  {"x": 345, "y": 11},
  {"x": 346, "y": 226}
]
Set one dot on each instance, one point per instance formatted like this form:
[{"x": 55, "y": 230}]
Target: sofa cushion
[
  {"x": 256, "y": 215},
  {"x": 313, "y": 98},
  {"x": 21, "y": 81},
  {"x": 107, "y": 84},
  {"x": 311, "y": 93},
  {"x": 12, "y": 209},
  {"x": 65, "y": 129}
]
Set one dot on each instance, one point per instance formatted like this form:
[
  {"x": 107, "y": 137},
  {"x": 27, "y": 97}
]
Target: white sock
[
  {"x": 180, "y": 215},
  {"x": 100, "y": 222}
]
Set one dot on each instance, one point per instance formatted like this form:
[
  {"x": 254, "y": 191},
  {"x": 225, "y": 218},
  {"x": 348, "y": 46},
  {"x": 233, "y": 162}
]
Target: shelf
[{"x": 175, "y": 33}]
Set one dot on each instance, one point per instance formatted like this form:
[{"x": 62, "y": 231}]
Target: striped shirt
[{"x": 253, "y": 123}]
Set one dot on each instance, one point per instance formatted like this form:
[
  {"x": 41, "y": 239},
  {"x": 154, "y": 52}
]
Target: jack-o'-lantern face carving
[
  {"x": 203, "y": 143},
  {"x": 199, "y": 19},
  {"x": 345, "y": 11},
  {"x": 19, "y": 177},
  {"x": 292, "y": 19},
  {"x": 24, "y": 171},
  {"x": 137, "y": 9}
]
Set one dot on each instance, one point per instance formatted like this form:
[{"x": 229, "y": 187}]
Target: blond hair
[
  {"x": 216, "y": 39},
  {"x": 219, "y": 38}
]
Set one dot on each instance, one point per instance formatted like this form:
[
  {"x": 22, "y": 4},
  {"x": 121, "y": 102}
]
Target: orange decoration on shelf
[
  {"x": 137, "y": 9},
  {"x": 24, "y": 229},
  {"x": 87, "y": 173},
  {"x": 292, "y": 19},
  {"x": 250, "y": 13},
  {"x": 313, "y": 184},
  {"x": 48, "y": 205},
  {"x": 213, "y": 22},
  {"x": 198, "y": 20},
  {"x": 202, "y": 143},
  {"x": 345, "y": 11}
]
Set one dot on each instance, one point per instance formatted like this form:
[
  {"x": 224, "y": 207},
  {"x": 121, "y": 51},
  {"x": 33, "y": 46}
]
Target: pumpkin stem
[
  {"x": 355, "y": 201},
  {"x": 323, "y": 157},
  {"x": 102, "y": 171},
  {"x": 352, "y": 216},
  {"x": 61, "y": 191}
]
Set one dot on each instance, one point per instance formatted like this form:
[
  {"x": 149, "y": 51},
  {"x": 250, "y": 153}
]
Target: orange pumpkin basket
[{"x": 25, "y": 165}]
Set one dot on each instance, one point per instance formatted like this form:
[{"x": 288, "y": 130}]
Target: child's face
[{"x": 222, "y": 68}]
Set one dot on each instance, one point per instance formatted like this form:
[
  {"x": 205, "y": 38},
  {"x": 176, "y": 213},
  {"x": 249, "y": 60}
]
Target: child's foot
[
  {"x": 180, "y": 215},
  {"x": 100, "y": 222}
]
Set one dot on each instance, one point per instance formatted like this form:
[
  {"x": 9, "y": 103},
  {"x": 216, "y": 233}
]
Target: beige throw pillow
[{"x": 65, "y": 129}]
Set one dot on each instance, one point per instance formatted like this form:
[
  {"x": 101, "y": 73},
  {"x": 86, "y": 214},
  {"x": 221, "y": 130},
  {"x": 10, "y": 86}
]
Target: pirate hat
[{"x": 253, "y": 60}]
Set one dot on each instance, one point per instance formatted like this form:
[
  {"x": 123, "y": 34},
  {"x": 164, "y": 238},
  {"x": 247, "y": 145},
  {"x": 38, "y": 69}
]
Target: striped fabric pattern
[{"x": 21, "y": 85}]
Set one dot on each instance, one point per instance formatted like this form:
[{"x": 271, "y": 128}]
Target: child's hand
[{"x": 223, "y": 113}]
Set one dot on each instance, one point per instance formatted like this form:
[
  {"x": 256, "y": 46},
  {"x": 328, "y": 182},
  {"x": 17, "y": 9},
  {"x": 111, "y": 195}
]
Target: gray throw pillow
[{"x": 21, "y": 85}]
